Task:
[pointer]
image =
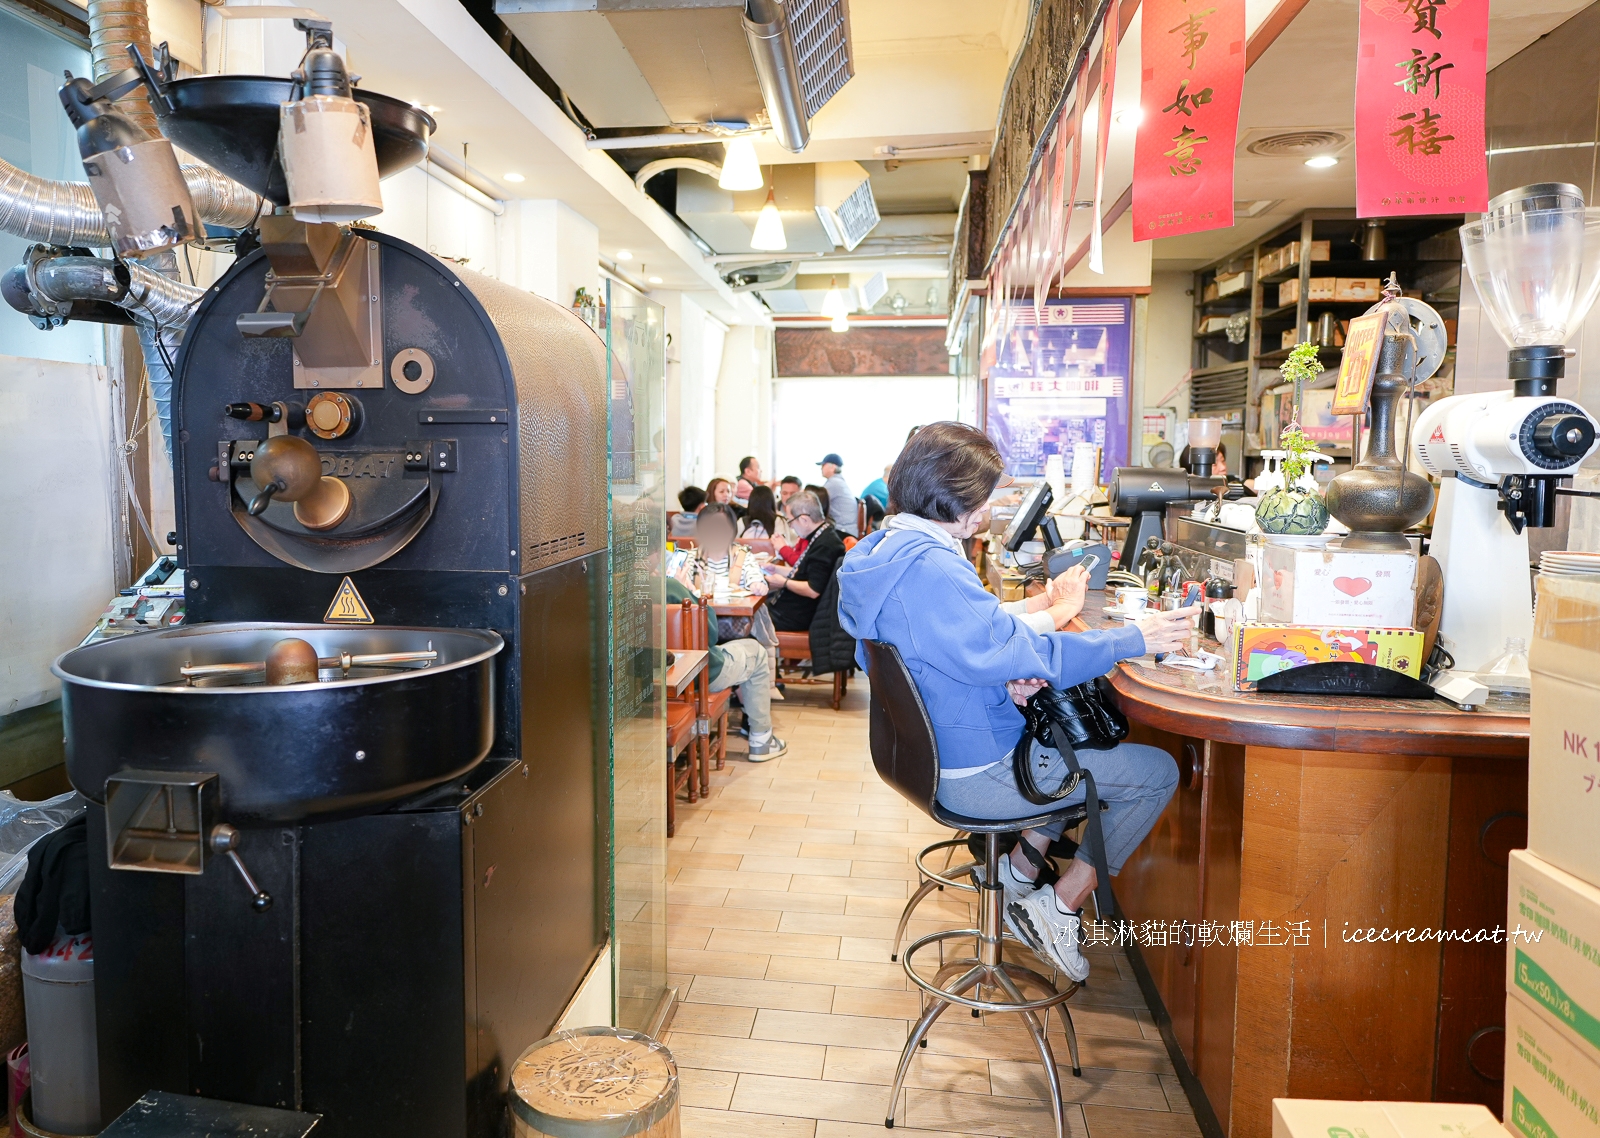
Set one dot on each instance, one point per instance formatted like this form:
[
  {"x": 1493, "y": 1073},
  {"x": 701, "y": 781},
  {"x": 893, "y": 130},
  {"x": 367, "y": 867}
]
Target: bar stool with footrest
[{"x": 907, "y": 758}]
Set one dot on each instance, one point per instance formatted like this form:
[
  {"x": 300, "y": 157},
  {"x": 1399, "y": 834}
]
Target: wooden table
[
  {"x": 1337, "y": 812},
  {"x": 736, "y": 606},
  {"x": 687, "y": 664}
]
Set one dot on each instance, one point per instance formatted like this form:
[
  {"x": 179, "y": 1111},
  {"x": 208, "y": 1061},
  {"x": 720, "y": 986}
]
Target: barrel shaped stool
[
  {"x": 595, "y": 1082},
  {"x": 906, "y": 756}
]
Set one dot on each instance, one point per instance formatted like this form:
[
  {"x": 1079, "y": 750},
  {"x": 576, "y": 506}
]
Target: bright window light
[
  {"x": 513, "y": 177},
  {"x": 1133, "y": 116},
  {"x": 740, "y": 168},
  {"x": 1322, "y": 161},
  {"x": 769, "y": 235}
]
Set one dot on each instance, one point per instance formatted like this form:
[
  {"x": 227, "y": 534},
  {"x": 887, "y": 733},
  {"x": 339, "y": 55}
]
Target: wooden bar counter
[{"x": 1324, "y": 815}]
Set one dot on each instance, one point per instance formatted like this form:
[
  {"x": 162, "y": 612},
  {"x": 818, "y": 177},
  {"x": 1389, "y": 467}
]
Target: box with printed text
[
  {"x": 1341, "y": 1118},
  {"x": 1351, "y": 589},
  {"x": 1564, "y": 736},
  {"x": 1261, "y": 650},
  {"x": 1555, "y": 967},
  {"x": 1552, "y": 1090}
]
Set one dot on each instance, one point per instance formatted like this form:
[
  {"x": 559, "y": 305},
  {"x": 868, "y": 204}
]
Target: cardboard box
[
  {"x": 1320, "y": 251},
  {"x": 1357, "y": 288},
  {"x": 1338, "y": 587},
  {"x": 1551, "y": 1089},
  {"x": 1558, "y": 975},
  {"x": 1564, "y": 741},
  {"x": 1230, "y": 283},
  {"x": 1330, "y": 1118},
  {"x": 1261, "y": 650}
]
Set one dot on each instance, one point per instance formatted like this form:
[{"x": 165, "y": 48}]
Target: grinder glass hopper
[{"x": 1533, "y": 258}]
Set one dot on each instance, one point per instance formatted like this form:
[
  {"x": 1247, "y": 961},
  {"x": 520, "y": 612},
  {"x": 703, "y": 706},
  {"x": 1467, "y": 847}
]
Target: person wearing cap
[{"x": 841, "y": 499}]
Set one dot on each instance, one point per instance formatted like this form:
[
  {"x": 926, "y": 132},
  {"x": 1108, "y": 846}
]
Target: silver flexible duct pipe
[
  {"x": 156, "y": 299},
  {"x": 65, "y": 213},
  {"x": 148, "y": 296},
  {"x": 114, "y": 25}
]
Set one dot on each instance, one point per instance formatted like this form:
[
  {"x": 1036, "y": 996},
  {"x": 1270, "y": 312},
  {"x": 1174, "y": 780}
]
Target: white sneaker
[
  {"x": 1015, "y": 887},
  {"x": 1050, "y": 932},
  {"x": 770, "y": 748}
]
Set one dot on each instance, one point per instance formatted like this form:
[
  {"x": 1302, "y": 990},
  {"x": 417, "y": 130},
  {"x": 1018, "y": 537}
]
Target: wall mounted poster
[{"x": 1061, "y": 382}]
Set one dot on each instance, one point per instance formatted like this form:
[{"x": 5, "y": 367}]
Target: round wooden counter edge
[{"x": 1236, "y": 718}]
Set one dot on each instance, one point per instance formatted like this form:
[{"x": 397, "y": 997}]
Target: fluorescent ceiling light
[
  {"x": 655, "y": 280},
  {"x": 1322, "y": 161},
  {"x": 624, "y": 255},
  {"x": 769, "y": 235},
  {"x": 841, "y": 323},
  {"x": 513, "y": 177},
  {"x": 833, "y": 305},
  {"x": 740, "y": 168}
]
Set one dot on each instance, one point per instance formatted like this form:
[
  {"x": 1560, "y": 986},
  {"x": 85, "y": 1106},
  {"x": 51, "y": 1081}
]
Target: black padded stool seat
[{"x": 906, "y": 756}]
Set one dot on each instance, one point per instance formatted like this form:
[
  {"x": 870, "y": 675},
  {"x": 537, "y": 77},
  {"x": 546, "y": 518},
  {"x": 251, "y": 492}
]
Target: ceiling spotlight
[
  {"x": 655, "y": 280},
  {"x": 1322, "y": 161},
  {"x": 741, "y": 170},
  {"x": 769, "y": 235},
  {"x": 1133, "y": 116},
  {"x": 833, "y": 305},
  {"x": 840, "y": 323},
  {"x": 513, "y": 177},
  {"x": 624, "y": 254}
]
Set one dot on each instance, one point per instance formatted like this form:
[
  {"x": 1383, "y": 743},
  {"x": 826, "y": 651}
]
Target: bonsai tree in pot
[{"x": 1294, "y": 508}]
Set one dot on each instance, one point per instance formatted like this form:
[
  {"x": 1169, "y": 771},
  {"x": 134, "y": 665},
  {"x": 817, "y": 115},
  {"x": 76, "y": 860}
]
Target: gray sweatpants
[
  {"x": 748, "y": 666},
  {"x": 1135, "y": 781}
]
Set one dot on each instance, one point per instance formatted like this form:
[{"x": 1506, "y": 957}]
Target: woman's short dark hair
[
  {"x": 718, "y": 510},
  {"x": 691, "y": 498},
  {"x": 945, "y": 471}
]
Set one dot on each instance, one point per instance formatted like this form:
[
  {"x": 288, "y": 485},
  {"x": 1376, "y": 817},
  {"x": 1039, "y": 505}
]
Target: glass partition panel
[{"x": 634, "y": 332}]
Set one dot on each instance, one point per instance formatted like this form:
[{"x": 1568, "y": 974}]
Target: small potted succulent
[{"x": 1295, "y": 509}]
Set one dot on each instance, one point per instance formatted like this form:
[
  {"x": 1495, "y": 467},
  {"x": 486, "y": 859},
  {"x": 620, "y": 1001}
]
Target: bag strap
[{"x": 1105, "y": 899}]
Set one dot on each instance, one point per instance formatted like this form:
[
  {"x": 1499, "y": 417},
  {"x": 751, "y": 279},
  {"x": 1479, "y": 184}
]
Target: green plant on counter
[{"x": 1294, "y": 509}]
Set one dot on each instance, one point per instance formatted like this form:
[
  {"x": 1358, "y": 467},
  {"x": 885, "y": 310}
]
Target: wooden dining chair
[
  {"x": 682, "y": 637},
  {"x": 794, "y": 648},
  {"x": 713, "y": 705},
  {"x": 680, "y": 736}
]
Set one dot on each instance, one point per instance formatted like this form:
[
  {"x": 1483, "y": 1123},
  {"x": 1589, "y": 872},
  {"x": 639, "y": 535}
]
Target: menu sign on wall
[
  {"x": 1420, "y": 77},
  {"x": 1192, "y": 72}
]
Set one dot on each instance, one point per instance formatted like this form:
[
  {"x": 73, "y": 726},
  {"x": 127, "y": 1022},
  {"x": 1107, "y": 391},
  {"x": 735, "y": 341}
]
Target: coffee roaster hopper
[{"x": 231, "y": 122}]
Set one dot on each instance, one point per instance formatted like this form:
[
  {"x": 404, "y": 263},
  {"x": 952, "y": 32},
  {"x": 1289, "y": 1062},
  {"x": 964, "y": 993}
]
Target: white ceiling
[{"x": 1306, "y": 79}]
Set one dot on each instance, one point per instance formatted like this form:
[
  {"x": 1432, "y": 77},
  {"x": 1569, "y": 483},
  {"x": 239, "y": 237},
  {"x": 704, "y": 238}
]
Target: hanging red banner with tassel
[
  {"x": 1421, "y": 70},
  {"x": 1192, "y": 71}
]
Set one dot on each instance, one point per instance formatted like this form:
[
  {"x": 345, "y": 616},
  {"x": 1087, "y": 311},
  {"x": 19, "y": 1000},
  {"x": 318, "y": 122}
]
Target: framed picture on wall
[{"x": 1059, "y": 381}]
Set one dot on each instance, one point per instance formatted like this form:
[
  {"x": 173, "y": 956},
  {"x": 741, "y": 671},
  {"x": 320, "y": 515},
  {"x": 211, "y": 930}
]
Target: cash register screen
[{"x": 1034, "y": 504}]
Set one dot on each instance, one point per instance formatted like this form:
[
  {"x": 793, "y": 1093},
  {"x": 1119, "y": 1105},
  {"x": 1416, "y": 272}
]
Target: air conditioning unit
[{"x": 845, "y": 203}]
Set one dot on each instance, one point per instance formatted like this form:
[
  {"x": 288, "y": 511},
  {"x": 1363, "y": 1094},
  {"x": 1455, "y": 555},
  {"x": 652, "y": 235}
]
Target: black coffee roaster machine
[
  {"x": 346, "y": 851},
  {"x": 1143, "y": 493}
]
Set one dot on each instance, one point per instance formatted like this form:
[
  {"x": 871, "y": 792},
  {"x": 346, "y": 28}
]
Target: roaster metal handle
[{"x": 225, "y": 840}]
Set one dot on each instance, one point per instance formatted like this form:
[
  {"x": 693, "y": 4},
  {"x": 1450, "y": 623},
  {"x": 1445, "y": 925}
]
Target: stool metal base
[
  {"x": 988, "y": 969},
  {"x": 955, "y": 877}
]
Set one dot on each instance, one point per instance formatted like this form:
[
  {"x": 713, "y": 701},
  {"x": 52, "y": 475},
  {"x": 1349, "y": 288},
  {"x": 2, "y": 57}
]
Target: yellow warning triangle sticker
[{"x": 347, "y": 606}]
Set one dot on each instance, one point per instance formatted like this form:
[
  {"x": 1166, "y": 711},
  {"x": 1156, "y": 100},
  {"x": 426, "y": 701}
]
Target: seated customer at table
[
  {"x": 761, "y": 514},
  {"x": 690, "y": 499},
  {"x": 746, "y": 665},
  {"x": 972, "y": 660},
  {"x": 800, "y": 588},
  {"x": 716, "y": 565}
]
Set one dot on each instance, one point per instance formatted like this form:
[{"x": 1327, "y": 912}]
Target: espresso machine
[
  {"x": 1534, "y": 259},
  {"x": 346, "y": 852}
]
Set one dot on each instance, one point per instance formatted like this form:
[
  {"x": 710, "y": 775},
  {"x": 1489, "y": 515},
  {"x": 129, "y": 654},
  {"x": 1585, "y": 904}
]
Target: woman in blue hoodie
[{"x": 974, "y": 660}]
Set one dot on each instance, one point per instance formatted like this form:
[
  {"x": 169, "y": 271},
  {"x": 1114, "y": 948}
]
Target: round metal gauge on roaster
[
  {"x": 412, "y": 370},
  {"x": 332, "y": 414}
]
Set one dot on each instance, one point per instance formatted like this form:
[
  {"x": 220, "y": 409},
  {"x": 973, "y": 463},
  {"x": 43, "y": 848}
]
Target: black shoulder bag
[{"x": 1081, "y": 717}]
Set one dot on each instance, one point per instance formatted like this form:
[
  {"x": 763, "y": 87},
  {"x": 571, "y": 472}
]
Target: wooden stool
[{"x": 595, "y": 1082}]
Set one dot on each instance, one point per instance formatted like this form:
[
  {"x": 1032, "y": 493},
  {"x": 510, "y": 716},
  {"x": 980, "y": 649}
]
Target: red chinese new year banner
[
  {"x": 1420, "y": 75},
  {"x": 1192, "y": 57}
]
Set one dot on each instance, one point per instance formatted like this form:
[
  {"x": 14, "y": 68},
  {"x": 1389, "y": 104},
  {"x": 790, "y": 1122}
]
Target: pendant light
[
  {"x": 769, "y": 235},
  {"x": 833, "y": 305},
  {"x": 740, "y": 168},
  {"x": 840, "y": 323}
]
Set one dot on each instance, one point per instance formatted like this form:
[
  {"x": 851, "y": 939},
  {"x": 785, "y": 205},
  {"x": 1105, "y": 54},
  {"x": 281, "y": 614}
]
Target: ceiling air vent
[
  {"x": 821, "y": 33},
  {"x": 1297, "y": 143},
  {"x": 853, "y": 218}
]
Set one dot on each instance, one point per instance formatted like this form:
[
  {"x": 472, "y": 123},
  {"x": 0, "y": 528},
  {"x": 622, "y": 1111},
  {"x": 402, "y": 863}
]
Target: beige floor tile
[
  {"x": 766, "y": 899},
  {"x": 710, "y": 1089},
  {"x": 870, "y": 949},
  {"x": 898, "y": 870},
  {"x": 876, "y": 1002},
  {"x": 934, "y": 1072},
  {"x": 681, "y": 935},
  {"x": 761, "y": 994},
  {"x": 781, "y": 835},
  {"x": 830, "y": 813},
  {"x": 782, "y": 943},
  {"x": 848, "y": 973},
  {"x": 1130, "y": 1089},
  {"x": 879, "y": 928},
  {"x": 1118, "y": 1023},
  {"x": 1177, "y": 1098},
  {"x": 814, "y": 1099},
  {"x": 808, "y": 866},
  {"x": 1106, "y": 991},
  {"x": 713, "y": 1019},
  {"x": 701, "y": 1123},
  {"x": 749, "y": 965},
  {"x": 845, "y": 773},
  {"x": 838, "y": 1031},
  {"x": 947, "y": 906},
  {"x": 732, "y": 879},
  {"x": 720, "y": 916},
  {"x": 854, "y": 852},
  {"x": 987, "y": 1114},
  {"x": 850, "y": 886},
  {"x": 743, "y": 814},
  {"x": 829, "y": 1129},
  {"x": 1113, "y": 1122},
  {"x": 955, "y": 1033},
  {"x": 759, "y": 1056},
  {"x": 1125, "y": 1054},
  {"x": 742, "y": 846},
  {"x": 693, "y": 895}
]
